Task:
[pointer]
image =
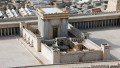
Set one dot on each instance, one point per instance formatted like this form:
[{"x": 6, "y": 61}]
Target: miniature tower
[
  {"x": 113, "y": 5},
  {"x": 106, "y": 51},
  {"x": 52, "y": 22}
]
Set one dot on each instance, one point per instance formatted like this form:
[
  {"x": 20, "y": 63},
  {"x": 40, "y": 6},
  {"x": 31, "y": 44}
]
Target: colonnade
[
  {"x": 9, "y": 31},
  {"x": 96, "y": 23}
]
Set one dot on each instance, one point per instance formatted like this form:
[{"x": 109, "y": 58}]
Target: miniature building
[
  {"x": 52, "y": 23},
  {"x": 55, "y": 44},
  {"x": 113, "y": 5}
]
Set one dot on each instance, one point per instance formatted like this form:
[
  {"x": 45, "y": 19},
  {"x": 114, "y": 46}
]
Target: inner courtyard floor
[
  {"x": 109, "y": 35},
  {"x": 14, "y": 54}
]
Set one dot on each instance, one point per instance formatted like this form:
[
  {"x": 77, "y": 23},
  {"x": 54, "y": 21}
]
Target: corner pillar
[
  {"x": 22, "y": 25},
  {"x": 37, "y": 44},
  {"x": 106, "y": 51}
]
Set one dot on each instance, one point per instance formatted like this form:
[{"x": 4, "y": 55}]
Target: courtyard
[
  {"x": 109, "y": 35},
  {"x": 14, "y": 54}
]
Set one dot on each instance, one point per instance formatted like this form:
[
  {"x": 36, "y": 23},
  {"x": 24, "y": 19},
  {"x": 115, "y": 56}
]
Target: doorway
[{"x": 55, "y": 32}]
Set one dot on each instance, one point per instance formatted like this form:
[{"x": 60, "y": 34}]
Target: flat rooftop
[
  {"x": 51, "y": 10},
  {"x": 110, "y": 35},
  {"x": 14, "y": 54}
]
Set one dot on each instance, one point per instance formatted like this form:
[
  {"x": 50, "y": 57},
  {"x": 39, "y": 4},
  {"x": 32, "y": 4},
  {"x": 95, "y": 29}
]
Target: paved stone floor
[
  {"x": 13, "y": 53},
  {"x": 107, "y": 35}
]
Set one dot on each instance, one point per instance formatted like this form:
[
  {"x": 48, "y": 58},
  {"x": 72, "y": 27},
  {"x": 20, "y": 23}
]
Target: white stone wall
[
  {"x": 112, "y": 5},
  {"x": 45, "y": 27},
  {"x": 47, "y": 52},
  {"x": 56, "y": 56},
  {"x": 94, "y": 54},
  {"x": 31, "y": 39},
  {"x": 106, "y": 51},
  {"x": 80, "y": 56},
  {"x": 40, "y": 26}
]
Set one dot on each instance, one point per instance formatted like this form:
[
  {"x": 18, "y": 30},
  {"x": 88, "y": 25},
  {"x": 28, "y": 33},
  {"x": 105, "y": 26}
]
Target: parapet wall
[
  {"x": 80, "y": 56},
  {"x": 99, "y": 66},
  {"x": 56, "y": 57},
  {"x": 47, "y": 52},
  {"x": 26, "y": 18},
  {"x": 95, "y": 13},
  {"x": 31, "y": 39},
  {"x": 92, "y": 53}
]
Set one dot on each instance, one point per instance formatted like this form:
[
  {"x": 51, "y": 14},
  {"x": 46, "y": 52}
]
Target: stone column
[
  {"x": 1, "y": 31},
  {"x": 76, "y": 25},
  {"x": 8, "y": 31},
  {"x": 102, "y": 23},
  {"x": 5, "y": 31},
  {"x": 112, "y": 21},
  {"x": 108, "y": 23},
  {"x": 105, "y": 22},
  {"x": 93, "y": 24},
  {"x": 11, "y": 31},
  {"x": 80, "y": 25},
  {"x": 88, "y": 24},
  {"x": 98, "y": 23},
  {"x": 14, "y": 30},
  {"x": 118, "y": 21},
  {"x": 115, "y": 22},
  {"x": 85, "y": 23},
  {"x": 17, "y": 30}
]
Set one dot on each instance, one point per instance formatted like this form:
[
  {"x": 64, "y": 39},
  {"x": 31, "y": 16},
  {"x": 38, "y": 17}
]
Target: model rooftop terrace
[
  {"x": 51, "y": 10},
  {"x": 51, "y": 13}
]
